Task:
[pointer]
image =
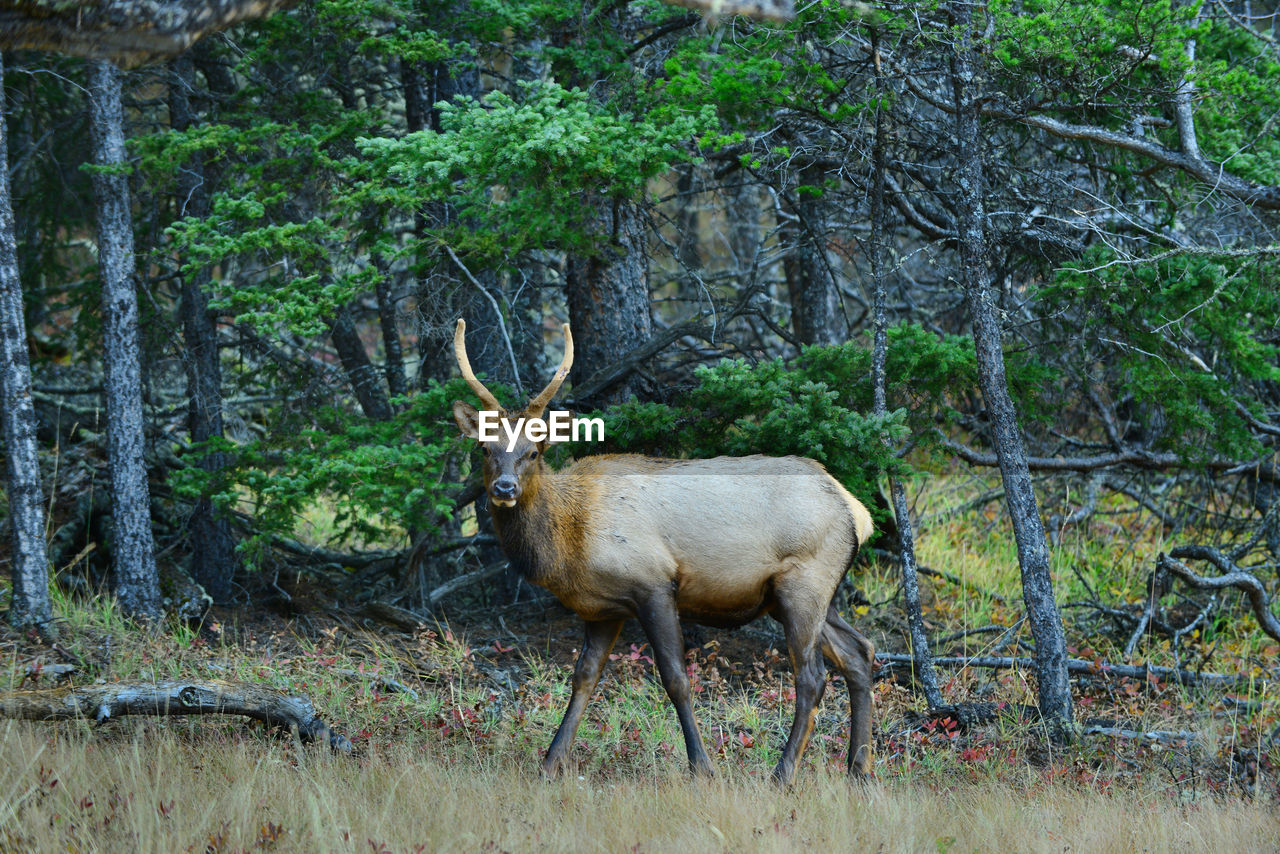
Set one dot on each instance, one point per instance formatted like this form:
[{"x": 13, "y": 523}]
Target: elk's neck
[{"x": 542, "y": 535}]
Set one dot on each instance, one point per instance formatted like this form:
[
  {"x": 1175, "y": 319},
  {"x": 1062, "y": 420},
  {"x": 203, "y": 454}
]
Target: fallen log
[
  {"x": 1080, "y": 667},
  {"x": 103, "y": 702}
]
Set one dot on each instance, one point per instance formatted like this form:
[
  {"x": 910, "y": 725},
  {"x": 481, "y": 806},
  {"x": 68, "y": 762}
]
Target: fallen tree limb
[
  {"x": 1142, "y": 735},
  {"x": 401, "y": 618},
  {"x": 39, "y": 669},
  {"x": 1135, "y": 457},
  {"x": 1234, "y": 576},
  {"x": 465, "y": 580},
  {"x": 315, "y": 555},
  {"x": 391, "y": 686},
  {"x": 1078, "y": 667},
  {"x": 103, "y": 702}
]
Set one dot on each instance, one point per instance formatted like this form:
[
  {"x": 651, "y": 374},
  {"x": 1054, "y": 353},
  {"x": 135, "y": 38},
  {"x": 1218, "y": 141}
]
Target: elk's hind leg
[
  {"x": 853, "y": 655},
  {"x": 601, "y": 636},
  {"x": 802, "y": 622}
]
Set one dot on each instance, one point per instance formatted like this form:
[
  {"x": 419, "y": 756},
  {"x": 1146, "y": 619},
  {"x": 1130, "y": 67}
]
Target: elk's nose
[{"x": 503, "y": 490}]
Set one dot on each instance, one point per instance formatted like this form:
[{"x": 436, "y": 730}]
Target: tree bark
[
  {"x": 103, "y": 702},
  {"x": 814, "y": 306},
  {"x": 213, "y": 557},
  {"x": 30, "y": 605},
  {"x": 363, "y": 377},
  {"x": 127, "y": 32},
  {"x": 879, "y": 356},
  {"x": 397, "y": 383},
  {"x": 426, "y": 84},
  {"x": 608, "y": 296},
  {"x": 133, "y": 548},
  {"x": 1024, "y": 512}
]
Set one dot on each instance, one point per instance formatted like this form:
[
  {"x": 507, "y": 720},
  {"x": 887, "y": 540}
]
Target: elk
[{"x": 719, "y": 542}]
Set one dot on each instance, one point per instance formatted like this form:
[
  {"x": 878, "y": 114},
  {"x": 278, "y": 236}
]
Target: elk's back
[{"x": 724, "y": 531}]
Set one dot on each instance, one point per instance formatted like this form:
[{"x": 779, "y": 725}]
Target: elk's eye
[{"x": 533, "y": 455}]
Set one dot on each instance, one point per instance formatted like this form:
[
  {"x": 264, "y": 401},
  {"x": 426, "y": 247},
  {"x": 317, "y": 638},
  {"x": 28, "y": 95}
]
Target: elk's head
[{"x": 511, "y": 459}]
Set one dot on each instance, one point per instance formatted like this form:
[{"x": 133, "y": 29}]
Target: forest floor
[{"x": 449, "y": 722}]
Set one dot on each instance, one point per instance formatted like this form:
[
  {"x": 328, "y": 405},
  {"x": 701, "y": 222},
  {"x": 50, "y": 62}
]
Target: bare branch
[
  {"x": 1266, "y": 197},
  {"x": 103, "y": 702},
  {"x": 1077, "y": 667},
  {"x": 127, "y": 32},
  {"x": 1235, "y": 576}
]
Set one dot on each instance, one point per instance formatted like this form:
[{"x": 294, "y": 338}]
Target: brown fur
[{"x": 720, "y": 541}]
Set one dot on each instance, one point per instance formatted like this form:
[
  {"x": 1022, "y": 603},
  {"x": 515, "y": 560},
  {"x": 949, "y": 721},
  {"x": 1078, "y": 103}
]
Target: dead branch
[
  {"x": 401, "y": 618},
  {"x": 1077, "y": 667},
  {"x": 1157, "y": 587},
  {"x": 391, "y": 686},
  {"x": 465, "y": 580},
  {"x": 1234, "y": 576},
  {"x": 38, "y": 669},
  {"x": 127, "y": 32},
  {"x": 317, "y": 556},
  {"x": 103, "y": 702},
  {"x": 941, "y": 574},
  {"x": 1136, "y": 457},
  {"x": 1160, "y": 735}
]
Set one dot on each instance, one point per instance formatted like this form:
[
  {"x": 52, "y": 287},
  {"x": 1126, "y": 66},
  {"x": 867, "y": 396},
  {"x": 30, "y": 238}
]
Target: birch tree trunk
[
  {"x": 922, "y": 657},
  {"x": 213, "y": 558},
  {"x": 1024, "y": 512},
  {"x": 30, "y": 605},
  {"x": 133, "y": 549}
]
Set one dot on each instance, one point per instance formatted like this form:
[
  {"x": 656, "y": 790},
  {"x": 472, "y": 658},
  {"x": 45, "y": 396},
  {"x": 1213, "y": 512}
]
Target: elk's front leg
[
  {"x": 601, "y": 636},
  {"x": 662, "y": 624}
]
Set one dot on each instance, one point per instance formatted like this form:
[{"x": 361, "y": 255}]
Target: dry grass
[
  {"x": 149, "y": 788},
  {"x": 456, "y": 768}
]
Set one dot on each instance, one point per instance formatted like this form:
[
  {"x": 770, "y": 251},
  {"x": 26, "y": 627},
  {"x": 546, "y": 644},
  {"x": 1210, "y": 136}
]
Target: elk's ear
[{"x": 467, "y": 418}]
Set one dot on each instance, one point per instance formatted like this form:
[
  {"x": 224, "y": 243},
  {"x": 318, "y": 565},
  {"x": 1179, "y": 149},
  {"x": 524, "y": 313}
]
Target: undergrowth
[{"x": 451, "y": 763}]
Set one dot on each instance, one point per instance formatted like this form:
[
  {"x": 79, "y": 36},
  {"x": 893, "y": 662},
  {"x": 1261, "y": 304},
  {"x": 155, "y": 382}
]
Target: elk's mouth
[{"x": 503, "y": 502}]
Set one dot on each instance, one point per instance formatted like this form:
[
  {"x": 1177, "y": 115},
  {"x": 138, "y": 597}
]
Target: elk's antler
[
  {"x": 539, "y": 403},
  {"x": 460, "y": 352}
]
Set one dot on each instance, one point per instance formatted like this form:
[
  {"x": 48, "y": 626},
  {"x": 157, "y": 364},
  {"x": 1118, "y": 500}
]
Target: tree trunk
[
  {"x": 1028, "y": 529},
  {"x": 30, "y": 605},
  {"x": 880, "y": 350},
  {"x": 814, "y": 306},
  {"x": 397, "y": 383},
  {"x": 133, "y": 549},
  {"x": 688, "y": 244},
  {"x": 213, "y": 557},
  {"x": 363, "y": 377},
  {"x": 742, "y": 203},
  {"x": 608, "y": 296},
  {"x": 440, "y": 305}
]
